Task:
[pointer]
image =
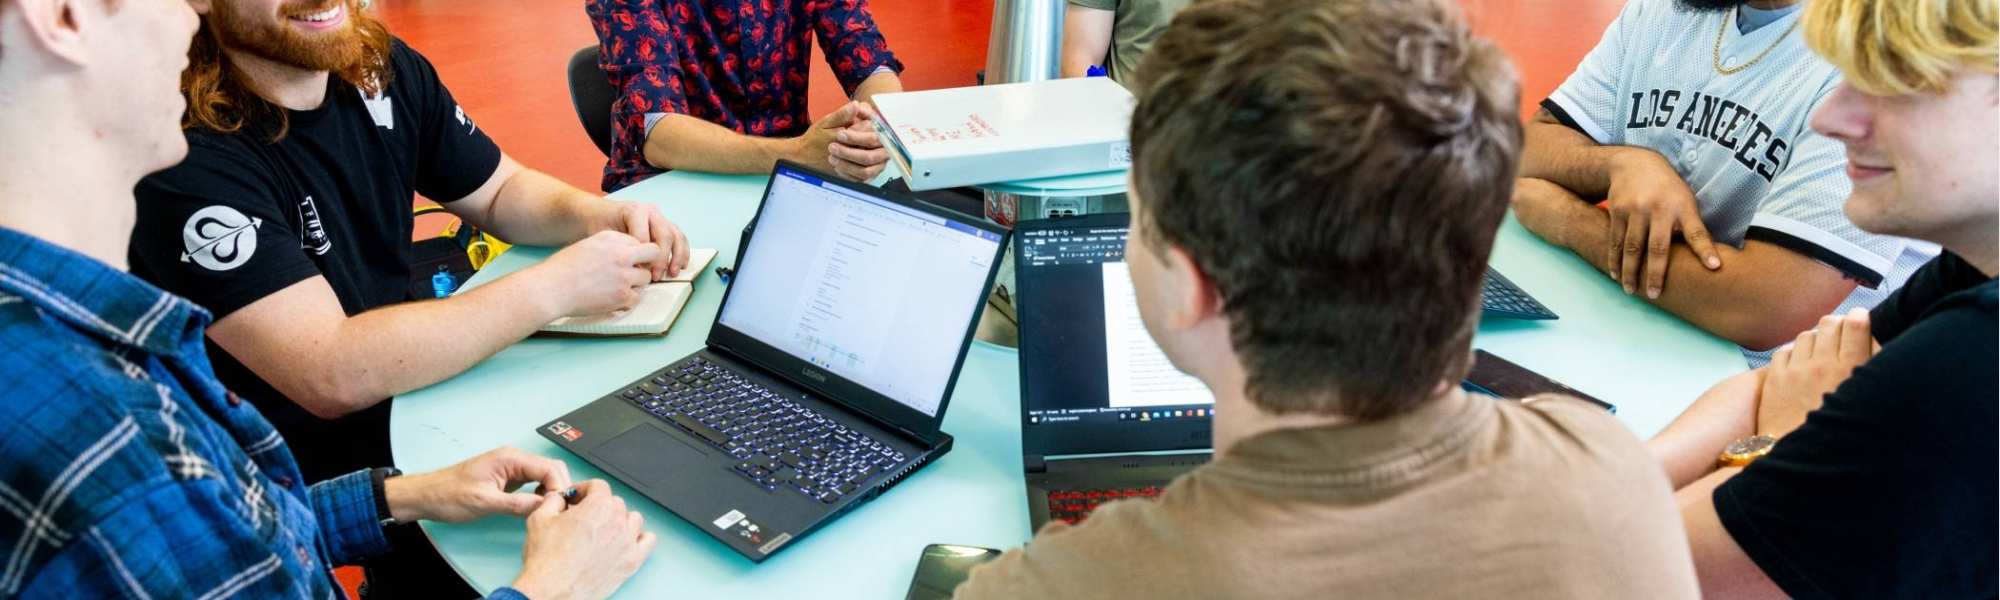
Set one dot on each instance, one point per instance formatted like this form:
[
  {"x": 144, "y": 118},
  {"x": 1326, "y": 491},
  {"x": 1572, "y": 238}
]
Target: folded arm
[
  {"x": 1691, "y": 445},
  {"x": 1724, "y": 569},
  {"x": 1556, "y": 153},
  {"x": 526, "y": 206},
  {"x": 883, "y": 81},
  {"x": 302, "y": 342},
  {"x": 1765, "y": 295},
  {"x": 681, "y": 142},
  {"x": 181, "y": 539}
]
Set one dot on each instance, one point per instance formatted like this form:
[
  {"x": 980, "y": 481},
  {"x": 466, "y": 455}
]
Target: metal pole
[{"x": 1026, "y": 41}]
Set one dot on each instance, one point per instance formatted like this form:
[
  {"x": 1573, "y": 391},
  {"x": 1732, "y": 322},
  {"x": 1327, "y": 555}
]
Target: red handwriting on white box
[{"x": 974, "y": 127}]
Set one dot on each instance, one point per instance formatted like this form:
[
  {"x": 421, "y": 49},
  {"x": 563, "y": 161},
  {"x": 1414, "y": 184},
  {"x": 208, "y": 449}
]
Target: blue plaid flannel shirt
[{"x": 128, "y": 471}]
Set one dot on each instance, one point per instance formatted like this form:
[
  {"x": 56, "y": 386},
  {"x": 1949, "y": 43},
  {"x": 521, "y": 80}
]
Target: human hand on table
[
  {"x": 643, "y": 222},
  {"x": 582, "y": 551},
  {"x": 481, "y": 486},
  {"x": 844, "y": 141},
  {"x": 600, "y": 274},
  {"x": 1648, "y": 201},
  {"x": 857, "y": 152},
  {"x": 1799, "y": 377}
]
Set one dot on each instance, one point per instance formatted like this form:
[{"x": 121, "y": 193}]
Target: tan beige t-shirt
[
  {"x": 1465, "y": 497},
  {"x": 1134, "y": 24}
]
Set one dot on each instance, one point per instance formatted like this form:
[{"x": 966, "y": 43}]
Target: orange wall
[{"x": 506, "y": 65}]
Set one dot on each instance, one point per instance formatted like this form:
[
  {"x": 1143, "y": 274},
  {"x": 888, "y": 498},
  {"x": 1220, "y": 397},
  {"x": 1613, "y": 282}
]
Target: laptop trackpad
[{"x": 647, "y": 454}]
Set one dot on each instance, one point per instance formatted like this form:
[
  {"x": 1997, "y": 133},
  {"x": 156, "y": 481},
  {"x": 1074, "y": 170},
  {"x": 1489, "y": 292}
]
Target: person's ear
[
  {"x": 1196, "y": 297},
  {"x": 58, "y": 26}
]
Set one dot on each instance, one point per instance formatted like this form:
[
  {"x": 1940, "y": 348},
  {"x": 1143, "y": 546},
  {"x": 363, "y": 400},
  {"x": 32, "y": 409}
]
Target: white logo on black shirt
[
  {"x": 470, "y": 127},
  {"x": 380, "y": 110},
  {"x": 315, "y": 240},
  {"x": 219, "y": 238}
]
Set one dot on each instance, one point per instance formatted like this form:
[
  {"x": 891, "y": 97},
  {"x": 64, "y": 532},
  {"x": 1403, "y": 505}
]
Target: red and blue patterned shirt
[{"x": 741, "y": 64}]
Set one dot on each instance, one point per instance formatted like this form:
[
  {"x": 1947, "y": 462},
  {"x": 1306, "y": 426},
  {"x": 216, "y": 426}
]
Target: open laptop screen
[
  {"x": 1087, "y": 362},
  {"x": 878, "y": 293}
]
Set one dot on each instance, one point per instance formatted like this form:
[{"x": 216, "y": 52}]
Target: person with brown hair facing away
[{"x": 1316, "y": 187}]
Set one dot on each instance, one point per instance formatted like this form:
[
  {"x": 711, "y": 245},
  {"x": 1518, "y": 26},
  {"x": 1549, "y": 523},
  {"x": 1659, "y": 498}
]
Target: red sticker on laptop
[{"x": 565, "y": 431}]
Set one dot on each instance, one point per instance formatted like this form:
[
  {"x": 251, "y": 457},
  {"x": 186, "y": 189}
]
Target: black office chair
[{"x": 592, "y": 95}]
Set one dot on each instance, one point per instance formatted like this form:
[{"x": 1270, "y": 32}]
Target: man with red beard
[
  {"x": 720, "y": 86},
  {"x": 311, "y": 128}
]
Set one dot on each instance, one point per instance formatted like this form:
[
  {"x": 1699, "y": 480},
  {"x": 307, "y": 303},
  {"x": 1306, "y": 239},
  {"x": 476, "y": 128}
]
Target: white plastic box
[{"x": 1009, "y": 132}]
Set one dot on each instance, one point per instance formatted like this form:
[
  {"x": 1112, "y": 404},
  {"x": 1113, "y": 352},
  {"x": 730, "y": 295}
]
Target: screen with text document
[
  {"x": 1093, "y": 358},
  {"x": 867, "y": 289}
]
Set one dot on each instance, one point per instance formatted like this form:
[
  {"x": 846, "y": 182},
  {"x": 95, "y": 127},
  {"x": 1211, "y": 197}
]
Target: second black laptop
[{"x": 1104, "y": 415}]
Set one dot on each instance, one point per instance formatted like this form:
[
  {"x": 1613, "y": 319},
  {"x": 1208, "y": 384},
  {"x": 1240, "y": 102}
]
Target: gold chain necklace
[{"x": 1719, "y": 33}]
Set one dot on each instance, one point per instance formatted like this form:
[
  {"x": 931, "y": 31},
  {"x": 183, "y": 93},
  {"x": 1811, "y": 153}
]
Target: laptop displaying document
[
  {"x": 826, "y": 373},
  {"x": 1105, "y": 416}
]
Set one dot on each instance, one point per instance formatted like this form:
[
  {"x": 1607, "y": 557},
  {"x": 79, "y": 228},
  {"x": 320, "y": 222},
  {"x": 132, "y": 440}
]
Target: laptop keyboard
[
  {"x": 780, "y": 443},
  {"x": 1072, "y": 506},
  {"x": 1498, "y": 295}
]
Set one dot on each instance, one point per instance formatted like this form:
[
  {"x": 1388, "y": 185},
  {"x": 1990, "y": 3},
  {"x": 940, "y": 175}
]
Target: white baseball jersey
[{"x": 1740, "y": 141}]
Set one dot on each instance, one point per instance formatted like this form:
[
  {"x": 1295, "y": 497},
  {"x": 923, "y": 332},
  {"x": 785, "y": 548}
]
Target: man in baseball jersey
[{"x": 1690, "y": 116}]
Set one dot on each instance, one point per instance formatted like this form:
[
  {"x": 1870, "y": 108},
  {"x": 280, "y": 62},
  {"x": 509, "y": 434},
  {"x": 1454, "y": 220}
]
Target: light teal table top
[{"x": 1649, "y": 363}]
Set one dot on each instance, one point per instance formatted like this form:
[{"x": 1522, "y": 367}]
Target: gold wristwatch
[{"x": 1741, "y": 452}]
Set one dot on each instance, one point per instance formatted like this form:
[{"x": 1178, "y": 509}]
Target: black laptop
[
  {"x": 1104, "y": 415},
  {"x": 825, "y": 375}
]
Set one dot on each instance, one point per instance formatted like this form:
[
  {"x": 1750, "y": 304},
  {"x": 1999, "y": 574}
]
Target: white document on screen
[{"x": 1140, "y": 374}]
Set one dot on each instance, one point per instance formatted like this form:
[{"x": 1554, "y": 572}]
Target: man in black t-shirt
[
  {"x": 1863, "y": 461},
  {"x": 311, "y": 129}
]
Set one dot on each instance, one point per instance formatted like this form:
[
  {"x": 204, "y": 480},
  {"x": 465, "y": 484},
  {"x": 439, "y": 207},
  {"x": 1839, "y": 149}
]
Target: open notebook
[{"x": 659, "y": 305}]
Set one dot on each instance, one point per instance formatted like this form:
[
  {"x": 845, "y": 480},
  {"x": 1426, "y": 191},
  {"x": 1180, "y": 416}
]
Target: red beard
[{"x": 337, "y": 50}]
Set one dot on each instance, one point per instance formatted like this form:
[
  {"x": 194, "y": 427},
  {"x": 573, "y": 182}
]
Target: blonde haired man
[{"x": 1871, "y": 472}]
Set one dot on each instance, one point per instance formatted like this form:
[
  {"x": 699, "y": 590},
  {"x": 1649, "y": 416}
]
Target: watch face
[{"x": 1750, "y": 446}]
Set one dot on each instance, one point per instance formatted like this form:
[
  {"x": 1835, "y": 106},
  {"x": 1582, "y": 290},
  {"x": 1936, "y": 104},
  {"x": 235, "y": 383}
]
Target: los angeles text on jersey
[{"x": 1722, "y": 121}]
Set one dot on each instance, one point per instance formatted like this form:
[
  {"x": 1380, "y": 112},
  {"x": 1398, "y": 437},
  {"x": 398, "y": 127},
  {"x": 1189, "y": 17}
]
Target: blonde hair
[{"x": 1895, "y": 47}]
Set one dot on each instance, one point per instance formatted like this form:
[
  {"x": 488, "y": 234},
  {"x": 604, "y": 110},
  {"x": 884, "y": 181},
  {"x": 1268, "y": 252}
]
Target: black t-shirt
[
  {"x": 1888, "y": 491},
  {"x": 244, "y": 217}
]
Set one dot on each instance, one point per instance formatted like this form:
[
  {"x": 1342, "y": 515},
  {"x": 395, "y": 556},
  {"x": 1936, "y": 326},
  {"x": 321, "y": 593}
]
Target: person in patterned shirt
[{"x": 720, "y": 85}]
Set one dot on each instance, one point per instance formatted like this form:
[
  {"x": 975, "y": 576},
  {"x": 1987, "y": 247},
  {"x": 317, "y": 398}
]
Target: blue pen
[{"x": 1095, "y": 71}]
